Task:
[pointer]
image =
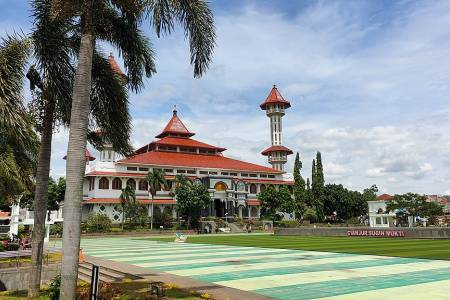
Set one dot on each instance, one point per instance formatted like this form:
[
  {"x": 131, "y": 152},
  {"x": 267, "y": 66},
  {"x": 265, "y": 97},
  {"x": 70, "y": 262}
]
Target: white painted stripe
[
  {"x": 249, "y": 284},
  {"x": 273, "y": 265},
  {"x": 229, "y": 255},
  {"x": 208, "y": 260}
]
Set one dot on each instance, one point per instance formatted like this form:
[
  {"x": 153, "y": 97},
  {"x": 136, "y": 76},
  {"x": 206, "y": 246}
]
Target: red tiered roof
[
  {"x": 178, "y": 159},
  {"x": 117, "y": 200},
  {"x": 274, "y": 97},
  {"x": 385, "y": 197},
  {"x": 178, "y": 141},
  {"x": 276, "y": 148},
  {"x": 114, "y": 65},
  {"x": 175, "y": 127},
  {"x": 87, "y": 155}
]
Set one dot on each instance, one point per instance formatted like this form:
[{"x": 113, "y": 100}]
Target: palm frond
[
  {"x": 198, "y": 22},
  {"x": 135, "y": 48},
  {"x": 109, "y": 105}
]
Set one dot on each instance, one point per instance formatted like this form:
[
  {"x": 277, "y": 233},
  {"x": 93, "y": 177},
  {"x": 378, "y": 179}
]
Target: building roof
[
  {"x": 87, "y": 155},
  {"x": 276, "y": 148},
  {"x": 273, "y": 98},
  {"x": 178, "y": 141},
  {"x": 114, "y": 65},
  {"x": 117, "y": 200},
  {"x": 253, "y": 202},
  {"x": 385, "y": 197},
  {"x": 4, "y": 215},
  {"x": 175, "y": 127},
  {"x": 177, "y": 159}
]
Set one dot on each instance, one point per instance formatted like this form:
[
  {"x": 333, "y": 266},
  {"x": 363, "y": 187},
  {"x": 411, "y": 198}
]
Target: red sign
[{"x": 376, "y": 233}]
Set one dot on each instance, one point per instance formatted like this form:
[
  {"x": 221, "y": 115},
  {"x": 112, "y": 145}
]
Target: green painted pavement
[{"x": 344, "y": 287}]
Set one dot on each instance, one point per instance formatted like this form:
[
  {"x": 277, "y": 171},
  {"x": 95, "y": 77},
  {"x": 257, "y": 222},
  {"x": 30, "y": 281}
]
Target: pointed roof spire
[
  {"x": 175, "y": 127},
  {"x": 274, "y": 97},
  {"x": 114, "y": 65}
]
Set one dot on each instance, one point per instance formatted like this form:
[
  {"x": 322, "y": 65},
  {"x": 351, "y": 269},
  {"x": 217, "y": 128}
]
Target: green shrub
[
  {"x": 288, "y": 224},
  {"x": 53, "y": 289},
  {"x": 2, "y": 248},
  {"x": 310, "y": 215},
  {"x": 98, "y": 223},
  {"x": 56, "y": 229},
  {"x": 354, "y": 221},
  {"x": 164, "y": 220}
]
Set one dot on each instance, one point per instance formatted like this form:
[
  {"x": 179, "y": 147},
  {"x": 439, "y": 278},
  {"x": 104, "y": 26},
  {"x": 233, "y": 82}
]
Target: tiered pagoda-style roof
[
  {"x": 176, "y": 148},
  {"x": 276, "y": 148},
  {"x": 274, "y": 97}
]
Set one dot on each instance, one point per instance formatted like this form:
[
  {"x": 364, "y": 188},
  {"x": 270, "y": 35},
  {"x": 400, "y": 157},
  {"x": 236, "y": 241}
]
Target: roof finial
[
  {"x": 111, "y": 54},
  {"x": 175, "y": 110},
  {"x": 274, "y": 86}
]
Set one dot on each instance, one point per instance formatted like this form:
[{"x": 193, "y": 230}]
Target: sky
[{"x": 368, "y": 81}]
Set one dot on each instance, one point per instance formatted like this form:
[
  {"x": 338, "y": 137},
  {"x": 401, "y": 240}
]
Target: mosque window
[
  {"x": 253, "y": 175},
  {"x": 131, "y": 168},
  {"x": 244, "y": 175},
  {"x": 224, "y": 173},
  {"x": 213, "y": 173},
  {"x": 131, "y": 183},
  {"x": 191, "y": 171},
  {"x": 241, "y": 186},
  {"x": 262, "y": 188},
  {"x": 143, "y": 169},
  {"x": 204, "y": 172},
  {"x": 233, "y": 174},
  {"x": 168, "y": 170},
  {"x": 252, "y": 188},
  {"x": 271, "y": 176},
  {"x": 181, "y": 171},
  {"x": 143, "y": 185},
  {"x": 263, "y": 175},
  {"x": 103, "y": 183},
  {"x": 117, "y": 184}
]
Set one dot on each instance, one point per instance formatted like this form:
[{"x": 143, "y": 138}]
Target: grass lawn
[{"x": 400, "y": 247}]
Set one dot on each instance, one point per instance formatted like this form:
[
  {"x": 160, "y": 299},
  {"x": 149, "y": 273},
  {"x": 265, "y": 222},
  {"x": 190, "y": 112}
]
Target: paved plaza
[{"x": 282, "y": 273}]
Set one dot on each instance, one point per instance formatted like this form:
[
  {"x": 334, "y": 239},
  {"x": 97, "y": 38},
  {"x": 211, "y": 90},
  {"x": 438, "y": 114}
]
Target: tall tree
[
  {"x": 55, "y": 43},
  {"x": 300, "y": 193},
  {"x": 18, "y": 141},
  {"x": 156, "y": 182},
  {"x": 191, "y": 197},
  {"x": 122, "y": 20},
  {"x": 274, "y": 202},
  {"x": 127, "y": 197},
  {"x": 318, "y": 184}
]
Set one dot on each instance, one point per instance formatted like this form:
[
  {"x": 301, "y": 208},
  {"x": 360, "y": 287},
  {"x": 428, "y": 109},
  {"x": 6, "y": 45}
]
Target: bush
[
  {"x": 12, "y": 246},
  {"x": 310, "y": 215},
  {"x": 164, "y": 220},
  {"x": 288, "y": 224},
  {"x": 56, "y": 229},
  {"x": 98, "y": 223},
  {"x": 354, "y": 221},
  {"x": 53, "y": 289},
  {"x": 2, "y": 248}
]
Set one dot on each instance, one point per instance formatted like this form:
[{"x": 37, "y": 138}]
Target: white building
[{"x": 233, "y": 184}]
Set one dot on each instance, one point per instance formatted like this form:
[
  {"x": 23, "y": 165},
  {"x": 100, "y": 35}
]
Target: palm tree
[
  {"x": 126, "y": 197},
  {"x": 156, "y": 181},
  {"x": 55, "y": 43},
  {"x": 18, "y": 141},
  {"x": 117, "y": 22}
]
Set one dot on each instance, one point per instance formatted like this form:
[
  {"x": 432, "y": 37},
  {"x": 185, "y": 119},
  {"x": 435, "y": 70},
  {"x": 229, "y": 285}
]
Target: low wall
[
  {"x": 394, "y": 232},
  {"x": 16, "y": 279}
]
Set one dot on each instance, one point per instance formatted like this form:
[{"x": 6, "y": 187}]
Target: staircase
[
  {"x": 234, "y": 228},
  {"x": 105, "y": 274}
]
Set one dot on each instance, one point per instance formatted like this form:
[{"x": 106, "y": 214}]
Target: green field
[{"x": 431, "y": 249}]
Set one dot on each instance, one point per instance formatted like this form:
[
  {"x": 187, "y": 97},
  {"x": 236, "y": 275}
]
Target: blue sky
[{"x": 368, "y": 82}]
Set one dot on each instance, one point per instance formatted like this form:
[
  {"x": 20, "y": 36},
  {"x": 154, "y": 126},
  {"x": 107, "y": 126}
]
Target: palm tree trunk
[
  {"x": 76, "y": 164},
  {"x": 151, "y": 216},
  {"x": 40, "y": 202}
]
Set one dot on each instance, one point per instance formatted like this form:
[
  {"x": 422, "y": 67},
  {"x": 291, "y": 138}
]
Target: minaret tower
[{"x": 275, "y": 105}]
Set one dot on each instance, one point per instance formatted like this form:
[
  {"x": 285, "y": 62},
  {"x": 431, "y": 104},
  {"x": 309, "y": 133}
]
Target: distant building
[{"x": 378, "y": 216}]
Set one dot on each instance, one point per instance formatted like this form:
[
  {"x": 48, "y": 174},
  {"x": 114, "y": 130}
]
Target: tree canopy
[{"x": 191, "y": 197}]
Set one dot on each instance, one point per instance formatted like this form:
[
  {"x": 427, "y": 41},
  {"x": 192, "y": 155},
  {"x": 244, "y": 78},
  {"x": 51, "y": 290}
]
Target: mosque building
[{"x": 233, "y": 184}]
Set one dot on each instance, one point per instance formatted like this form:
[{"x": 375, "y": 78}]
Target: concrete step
[
  {"x": 118, "y": 276},
  {"x": 85, "y": 274}
]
